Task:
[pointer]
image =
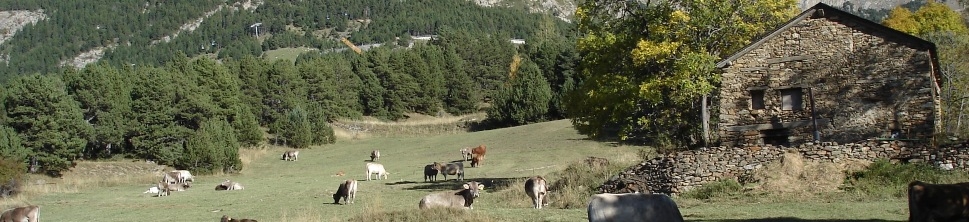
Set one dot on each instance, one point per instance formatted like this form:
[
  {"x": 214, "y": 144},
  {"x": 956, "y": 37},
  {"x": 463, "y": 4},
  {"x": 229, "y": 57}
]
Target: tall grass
[
  {"x": 718, "y": 189},
  {"x": 882, "y": 179},
  {"x": 578, "y": 181},
  {"x": 426, "y": 215}
]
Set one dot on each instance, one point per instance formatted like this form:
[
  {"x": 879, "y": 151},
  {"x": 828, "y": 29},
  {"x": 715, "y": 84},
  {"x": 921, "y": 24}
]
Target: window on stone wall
[
  {"x": 791, "y": 99},
  {"x": 756, "y": 99},
  {"x": 776, "y": 137}
]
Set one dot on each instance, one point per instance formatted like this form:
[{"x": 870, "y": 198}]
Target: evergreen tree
[
  {"x": 524, "y": 99},
  {"x": 157, "y": 135},
  {"x": 48, "y": 120},
  {"x": 297, "y": 129},
  {"x": 11, "y": 146},
  {"x": 462, "y": 95},
  {"x": 105, "y": 99}
]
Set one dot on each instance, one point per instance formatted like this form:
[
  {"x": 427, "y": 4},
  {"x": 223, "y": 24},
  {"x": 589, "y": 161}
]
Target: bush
[
  {"x": 884, "y": 179},
  {"x": 720, "y": 188},
  {"x": 12, "y": 174},
  {"x": 577, "y": 182}
]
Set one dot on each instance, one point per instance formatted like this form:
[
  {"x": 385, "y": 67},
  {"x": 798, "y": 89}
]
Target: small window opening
[
  {"x": 756, "y": 99},
  {"x": 791, "y": 99},
  {"x": 776, "y": 137}
]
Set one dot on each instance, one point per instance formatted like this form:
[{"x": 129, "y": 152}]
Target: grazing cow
[
  {"x": 431, "y": 171},
  {"x": 374, "y": 155},
  {"x": 291, "y": 155},
  {"x": 170, "y": 178},
  {"x": 347, "y": 191},
  {"x": 458, "y": 199},
  {"x": 226, "y": 218},
  {"x": 454, "y": 168},
  {"x": 938, "y": 202},
  {"x": 537, "y": 188},
  {"x": 633, "y": 207},
  {"x": 164, "y": 189},
  {"x": 478, "y": 155},
  {"x": 182, "y": 176},
  {"x": 466, "y": 153},
  {"x": 29, "y": 213},
  {"x": 376, "y": 168},
  {"x": 229, "y": 185}
]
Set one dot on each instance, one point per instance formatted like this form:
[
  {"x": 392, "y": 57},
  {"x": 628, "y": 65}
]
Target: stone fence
[{"x": 675, "y": 173}]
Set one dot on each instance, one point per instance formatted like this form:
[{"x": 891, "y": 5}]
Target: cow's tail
[{"x": 916, "y": 190}]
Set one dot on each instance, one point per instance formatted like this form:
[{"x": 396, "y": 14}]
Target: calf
[
  {"x": 457, "y": 199},
  {"x": 938, "y": 202},
  {"x": 347, "y": 191},
  {"x": 226, "y": 218},
  {"x": 374, "y": 155},
  {"x": 376, "y": 168},
  {"x": 29, "y": 213},
  {"x": 633, "y": 207},
  {"x": 164, "y": 189},
  {"x": 291, "y": 155},
  {"x": 229, "y": 185},
  {"x": 431, "y": 171},
  {"x": 478, "y": 155},
  {"x": 455, "y": 168},
  {"x": 466, "y": 153},
  {"x": 170, "y": 177},
  {"x": 153, "y": 189},
  {"x": 537, "y": 189}
]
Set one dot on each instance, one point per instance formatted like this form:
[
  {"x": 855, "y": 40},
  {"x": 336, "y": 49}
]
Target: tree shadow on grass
[
  {"x": 451, "y": 184},
  {"x": 793, "y": 219}
]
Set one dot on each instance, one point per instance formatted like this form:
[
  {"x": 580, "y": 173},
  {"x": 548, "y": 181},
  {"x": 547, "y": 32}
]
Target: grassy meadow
[{"x": 277, "y": 190}]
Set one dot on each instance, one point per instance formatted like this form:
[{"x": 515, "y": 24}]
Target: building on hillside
[{"x": 829, "y": 76}]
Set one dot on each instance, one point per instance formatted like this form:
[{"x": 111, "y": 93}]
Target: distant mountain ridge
[{"x": 873, "y": 4}]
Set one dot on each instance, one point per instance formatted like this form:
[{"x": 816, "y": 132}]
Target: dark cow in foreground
[
  {"x": 431, "y": 171},
  {"x": 938, "y": 202},
  {"x": 478, "y": 155},
  {"x": 633, "y": 207},
  {"x": 455, "y": 168},
  {"x": 537, "y": 188},
  {"x": 226, "y": 218},
  {"x": 347, "y": 191},
  {"x": 457, "y": 199},
  {"x": 29, "y": 213}
]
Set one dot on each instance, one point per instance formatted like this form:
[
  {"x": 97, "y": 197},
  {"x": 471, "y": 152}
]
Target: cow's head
[
  {"x": 473, "y": 188},
  {"x": 336, "y": 198}
]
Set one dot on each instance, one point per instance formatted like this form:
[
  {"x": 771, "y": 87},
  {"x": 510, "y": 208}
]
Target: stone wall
[
  {"x": 864, "y": 83},
  {"x": 685, "y": 170}
]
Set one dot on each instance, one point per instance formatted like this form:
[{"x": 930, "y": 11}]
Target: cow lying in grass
[
  {"x": 226, "y": 218},
  {"x": 463, "y": 198},
  {"x": 29, "y": 213},
  {"x": 229, "y": 185},
  {"x": 347, "y": 191}
]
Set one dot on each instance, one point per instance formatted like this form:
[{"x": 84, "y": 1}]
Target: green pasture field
[
  {"x": 277, "y": 190},
  {"x": 286, "y": 53}
]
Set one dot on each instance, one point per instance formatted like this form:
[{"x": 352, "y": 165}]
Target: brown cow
[
  {"x": 937, "y": 202},
  {"x": 226, "y": 218},
  {"x": 537, "y": 188},
  {"x": 347, "y": 191},
  {"x": 478, "y": 155},
  {"x": 30, "y": 213},
  {"x": 458, "y": 199}
]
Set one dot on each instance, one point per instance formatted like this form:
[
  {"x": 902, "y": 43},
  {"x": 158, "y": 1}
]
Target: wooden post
[{"x": 706, "y": 122}]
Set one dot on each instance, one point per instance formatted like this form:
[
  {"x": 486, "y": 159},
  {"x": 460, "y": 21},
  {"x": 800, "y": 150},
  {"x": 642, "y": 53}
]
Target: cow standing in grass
[
  {"x": 374, "y": 155},
  {"x": 455, "y": 168},
  {"x": 182, "y": 176},
  {"x": 938, "y": 202},
  {"x": 466, "y": 153},
  {"x": 431, "y": 171},
  {"x": 478, "y": 155},
  {"x": 376, "y": 168},
  {"x": 347, "y": 191},
  {"x": 537, "y": 189},
  {"x": 29, "y": 213},
  {"x": 463, "y": 198},
  {"x": 291, "y": 155}
]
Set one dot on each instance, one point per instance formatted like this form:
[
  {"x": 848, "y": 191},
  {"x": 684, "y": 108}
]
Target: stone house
[{"x": 829, "y": 76}]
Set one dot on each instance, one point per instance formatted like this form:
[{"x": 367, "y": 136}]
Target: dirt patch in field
[{"x": 795, "y": 175}]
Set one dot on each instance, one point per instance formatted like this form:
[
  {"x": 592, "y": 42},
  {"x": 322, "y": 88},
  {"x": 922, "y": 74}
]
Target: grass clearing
[
  {"x": 278, "y": 190},
  {"x": 286, "y": 53}
]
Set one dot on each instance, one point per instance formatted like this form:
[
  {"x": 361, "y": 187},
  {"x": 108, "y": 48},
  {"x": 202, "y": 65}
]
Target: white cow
[
  {"x": 182, "y": 176},
  {"x": 153, "y": 189},
  {"x": 537, "y": 189},
  {"x": 229, "y": 185},
  {"x": 376, "y": 168},
  {"x": 29, "y": 213},
  {"x": 374, "y": 155},
  {"x": 291, "y": 155},
  {"x": 633, "y": 207},
  {"x": 347, "y": 191}
]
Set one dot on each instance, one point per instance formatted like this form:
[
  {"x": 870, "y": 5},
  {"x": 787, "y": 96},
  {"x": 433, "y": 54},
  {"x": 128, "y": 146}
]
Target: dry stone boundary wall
[{"x": 675, "y": 173}]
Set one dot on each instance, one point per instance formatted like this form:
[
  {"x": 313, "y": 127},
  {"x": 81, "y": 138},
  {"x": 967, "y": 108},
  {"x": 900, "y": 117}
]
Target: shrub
[
  {"x": 577, "y": 182},
  {"x": 884, "y": 179},
  {"x": 720, "y": 188},
  {"x": 12, "y": 174}
]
